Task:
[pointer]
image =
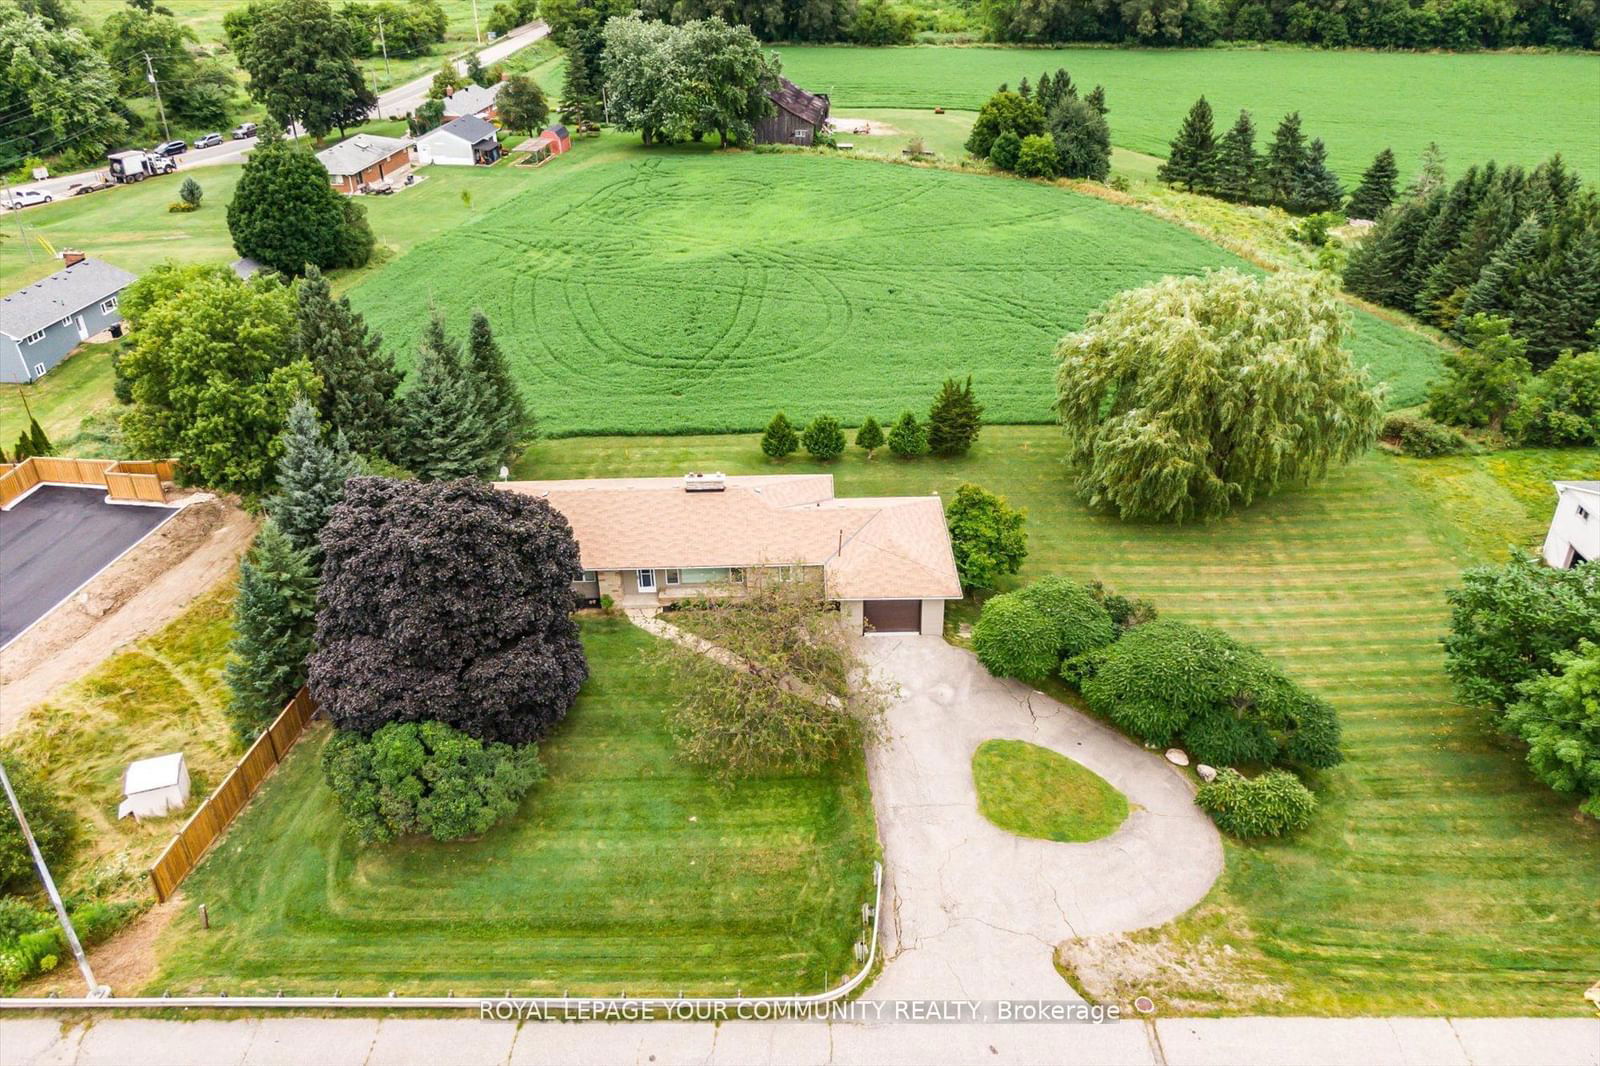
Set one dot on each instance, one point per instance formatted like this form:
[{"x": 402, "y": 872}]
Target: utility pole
[
  {"x": 385, "y": 45},
  {"x": 96, "y": 990},
  {"x": 22, "y": 234},
  {"x": 150, "y": 71},
  {"x": 478, "y": 33}
]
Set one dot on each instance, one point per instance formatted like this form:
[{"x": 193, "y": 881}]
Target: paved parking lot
[{"x": 54, "y": 541}]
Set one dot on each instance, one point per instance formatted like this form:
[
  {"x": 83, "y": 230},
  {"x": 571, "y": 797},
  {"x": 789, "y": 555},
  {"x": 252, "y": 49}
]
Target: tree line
[
  {"x": 1499, "y": 241},
  {"x": 1045, "y": 130},
  {"x": 954, "y": 422},
  {"x": 1292, "y": 173}
]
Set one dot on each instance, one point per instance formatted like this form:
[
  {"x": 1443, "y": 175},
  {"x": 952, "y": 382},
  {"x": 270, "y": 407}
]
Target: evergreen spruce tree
[
  {"x": 1063, "y": 85},
  {"x": 506, "y": 422},
  {"x": 1494, "y": 292},
  {"x": 359, "y": 379},
  {"x": 1560, "y": 306},
  {"x": 1285, "y": 159},
  {"x": 1192, "y": 158},
  {"x": 1316, "y": 188},
  {"x": 274, "y": 618},
  {"x": 443, "y": 423},
  {"x": 1491, "y": 225},
  {"x": 38, "y": 443},
  {"x": 1238, "y": 166},
  {"x": 1097, "y": 100},
  {"x": 1024, "y": 90},
  {"x": 1380, "y": 268},
  {"x": 21, "y": 451},
  {"x": 1044, "y": 93},
  {"x": 869, "y": 438},
  {"x": 823, "y": 438},
  {"x": 1377, "y": 189},
  {"x": 955, "y": 419},
  {"x": 780, "y": 439},
  {"x": 1445, "y": 229},
  {"x": 907, "y": 439},
  {"x": 1430, "y": 173},
  {"x": 312, "y": 471}
]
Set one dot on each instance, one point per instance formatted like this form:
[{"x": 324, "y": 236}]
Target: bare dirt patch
[
  {"x": 1183, "y": 977},
  {"x": 138, "y": 595},
  {"x": 126, "y": 962}
]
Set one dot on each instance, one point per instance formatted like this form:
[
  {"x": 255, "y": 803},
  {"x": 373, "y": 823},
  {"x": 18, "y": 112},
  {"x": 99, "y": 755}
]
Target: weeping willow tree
[{"x": 1194, "y": 395}]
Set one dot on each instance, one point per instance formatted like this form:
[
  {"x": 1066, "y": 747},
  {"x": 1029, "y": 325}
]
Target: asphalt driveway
[
  {"x": 57, "y": 539},
  {"x": 972, "y": 911}
]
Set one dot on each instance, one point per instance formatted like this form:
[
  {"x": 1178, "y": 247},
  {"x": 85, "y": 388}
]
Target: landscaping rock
[
  {"x": 1177, "y": 757},
  {"x": 1207, "y": 773}
]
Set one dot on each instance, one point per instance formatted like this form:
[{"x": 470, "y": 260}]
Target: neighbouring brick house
[
  {"x": 366, "y": 159},
  {"x": 646, "y": 542}
]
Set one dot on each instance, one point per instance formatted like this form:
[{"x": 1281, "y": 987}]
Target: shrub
[
  {"x": 1558, "y": 717},
  {"x": 986, "y": 536},
  {"x": 178, "y": 207},
  {"x": 1079, "y": 621},
  {"x": 780, "y": 439},
  {"x": 1013, "y": 638},
  {"x": 447, "y": 601},
  {"x": 869, "y": 438},
  {"x": 190, "y": 193},
  {"x": 413, "y": 778},
  {"x": 955, "y": 419},
  {"x": 54, "y": 828},
  {"x": 1167, "y": 681},
  {"x": 1125, "y": 611},
  {"x": 32, "y": 943},
  {"x": 823, "y": 438},
  {"x": 1481, "y": 382},
  {"x": 1005, "y": 150},
  {"x": 1272, "y": 805},
  {"x": 1422, "y": 437},
  {"x": 907, "y": 438},
  {"x": 1037, "y": 157},
  {"x": 1562, "y": 405},
  {"x": 1002, "y": 112}
]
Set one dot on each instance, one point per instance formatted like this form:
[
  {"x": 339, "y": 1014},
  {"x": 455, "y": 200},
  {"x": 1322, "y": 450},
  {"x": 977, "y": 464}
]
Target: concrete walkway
[
  {"x": 445, "y": 1042},
  {"x": 973, "y": 911}
]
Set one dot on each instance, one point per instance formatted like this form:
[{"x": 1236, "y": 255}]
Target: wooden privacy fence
[
  {"x": 132, "y": 481},
  {"x": 214, "y": 816}
]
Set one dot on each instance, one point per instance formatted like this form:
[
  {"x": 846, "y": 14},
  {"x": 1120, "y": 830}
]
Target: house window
[
  {"x": 38, "y": 370},
  {"x": 589, "y": 575},
  {"x": 108, "y": 305},
  {"x": 736, "y": 574},
  {"x": 647, "y": 580},
  {"x": 1583, "y": 512},
  {"x": 704, "y": 575},
  {"x": 672, "y": 577},
  {"x": 66, "y": 321},
  {"x": 34, "y": 338}
]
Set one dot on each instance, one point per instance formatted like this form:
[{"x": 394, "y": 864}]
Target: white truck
[{"x": 136, "y": 165}]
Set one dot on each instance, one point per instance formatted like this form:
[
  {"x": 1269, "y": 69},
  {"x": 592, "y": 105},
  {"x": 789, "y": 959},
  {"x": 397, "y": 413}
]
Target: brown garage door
[{"x": 894, "y": 616}]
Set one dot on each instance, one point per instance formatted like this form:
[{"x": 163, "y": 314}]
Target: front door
[
  {"x": 647, "y": 580},
  {"x": 83, "y": 329}
]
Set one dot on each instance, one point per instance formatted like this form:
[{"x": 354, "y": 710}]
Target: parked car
[
  {"x": 210, "y": 140},
  {"x": 171, "y": 148},
  {"x": 21, "y": 198},
  {"x": 244, "y": 130}
]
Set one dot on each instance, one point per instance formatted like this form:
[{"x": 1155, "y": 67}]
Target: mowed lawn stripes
[{"x": 1438, "y": 877}]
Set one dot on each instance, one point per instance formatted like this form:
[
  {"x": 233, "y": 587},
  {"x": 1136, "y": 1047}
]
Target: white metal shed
[{"x": 154, "y": 788}]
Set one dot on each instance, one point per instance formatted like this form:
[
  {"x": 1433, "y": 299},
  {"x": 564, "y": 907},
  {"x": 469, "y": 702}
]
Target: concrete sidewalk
[{"x": 445, "y": 1042}]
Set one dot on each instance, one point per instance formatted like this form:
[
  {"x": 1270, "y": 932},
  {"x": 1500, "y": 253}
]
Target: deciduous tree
[
  {"x": 447, "y": 602},
  {"x": 522, "y": 105},
  {"x": 1191, "y": 396},
  {"x": 986, "y": 535},
  {"x": 1082, "y": 139},
  {"x": 1037, "y": 157},
  {"x": 301, "y": 58},
  {"x": 1001, "y": 112},
  {"x": 286, "y": 215},
  {"x": 1481, "y": 381},
  {"x": 1558, "y": 716}
]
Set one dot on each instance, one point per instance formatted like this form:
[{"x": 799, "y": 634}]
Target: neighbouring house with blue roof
[{"x": 41, "y": 325}]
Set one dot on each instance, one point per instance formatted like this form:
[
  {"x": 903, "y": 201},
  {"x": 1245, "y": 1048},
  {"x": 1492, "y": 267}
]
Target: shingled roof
[
  {"x": 808, "y": 107},
  {"x": 890, "y": 547},
  {"x": 358, "y": 153},
  {"x": 66, "y": 292}
]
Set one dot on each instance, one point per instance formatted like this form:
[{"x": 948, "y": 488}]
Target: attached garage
[{"x": 893, "y": 616}]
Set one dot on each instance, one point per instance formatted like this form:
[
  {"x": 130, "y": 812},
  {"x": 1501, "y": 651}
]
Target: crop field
[
  {"x": 623, "y": 872},
  {"x": 674, "y": 292},
  {"x": 1438, "y": 877},
  {"x": 1514, "y": 108}
]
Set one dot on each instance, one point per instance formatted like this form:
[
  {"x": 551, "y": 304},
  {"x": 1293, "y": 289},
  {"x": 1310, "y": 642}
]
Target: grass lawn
[
  {"x": 1514, "y": 108},
  {"x": 1035, "y": 792},
  {"x": 678, "y": 290},
  {"x": 156, "y": 696},
  {"x": 624, "y": 872},
  {"x": 1439, "y": 877},
  {"x": 61, "y": 399}
]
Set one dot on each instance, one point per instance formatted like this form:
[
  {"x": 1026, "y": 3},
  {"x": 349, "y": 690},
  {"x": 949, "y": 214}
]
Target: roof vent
[{"x": 704, "y": 482}]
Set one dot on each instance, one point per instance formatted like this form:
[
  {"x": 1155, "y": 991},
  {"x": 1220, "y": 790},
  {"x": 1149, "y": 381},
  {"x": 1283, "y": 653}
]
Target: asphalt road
[
  {"x": 394, "y": 103},
  {"x": 56, "y": 540}
]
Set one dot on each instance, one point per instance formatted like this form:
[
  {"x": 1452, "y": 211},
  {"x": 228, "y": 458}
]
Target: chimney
[{"x": 70, "y": 257}]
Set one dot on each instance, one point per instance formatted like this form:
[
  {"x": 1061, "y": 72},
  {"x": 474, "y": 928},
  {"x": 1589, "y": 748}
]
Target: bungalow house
[
  {"x": 646, "y": 542},
  {"x": 473, "y": 100},
  {"x": 1574, "y": 535},
  {"x": 797, "y": 117},
  {"x": 42, "y": 324},
  {"x": 366, "y": 159},
  {"x": 466, "y": 142}
]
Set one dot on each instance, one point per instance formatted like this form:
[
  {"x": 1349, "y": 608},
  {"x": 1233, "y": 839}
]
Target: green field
[
  {"x": 1514, "y": 108},
  {"x": 624, "y": 872},
  {"x": 1036, "y": 792},
  {"x": 679, "y": 291},
  {"x": 1439, "y": 877}
]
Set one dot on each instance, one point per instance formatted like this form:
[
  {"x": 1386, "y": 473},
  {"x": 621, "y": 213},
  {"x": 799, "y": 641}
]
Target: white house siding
[
  {"x": 1575, "y": 528},
  {"x": 444, "y": 149},
  {"x": 932, "y": 618}
]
